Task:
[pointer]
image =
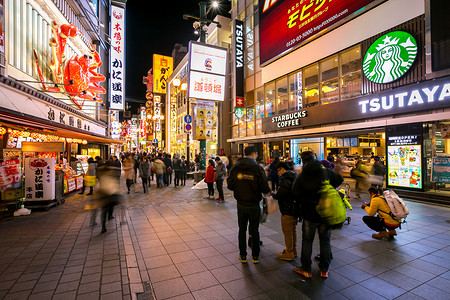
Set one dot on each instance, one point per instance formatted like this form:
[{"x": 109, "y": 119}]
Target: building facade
[
  {"x": 54, "y": 84},
  {"x": 354, "y": 79}
]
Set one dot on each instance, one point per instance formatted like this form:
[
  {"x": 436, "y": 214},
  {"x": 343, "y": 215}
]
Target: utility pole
[{"x": 203, "y": 20}]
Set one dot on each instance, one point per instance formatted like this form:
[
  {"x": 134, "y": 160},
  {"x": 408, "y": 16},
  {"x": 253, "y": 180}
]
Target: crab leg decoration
[{"x": 76, "y": 77}]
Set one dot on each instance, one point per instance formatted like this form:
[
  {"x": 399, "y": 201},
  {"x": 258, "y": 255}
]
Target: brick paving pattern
[{"x": 176, "y": 244}]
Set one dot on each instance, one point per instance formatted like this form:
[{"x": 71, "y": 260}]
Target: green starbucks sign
[{"x": 389, "y": 57}]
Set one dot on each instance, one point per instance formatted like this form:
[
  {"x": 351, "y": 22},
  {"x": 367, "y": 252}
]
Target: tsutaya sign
[
  {"x": 424, "y": 96},
  {"x": 410, "y": 98},
  {"x": 389, "y": 57}
]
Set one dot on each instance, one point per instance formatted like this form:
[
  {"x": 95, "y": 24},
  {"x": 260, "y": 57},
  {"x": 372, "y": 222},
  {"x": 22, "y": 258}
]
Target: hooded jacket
[
  {"x": 284, "y": 193},
  {"x": 221, "y": 170},
  {"x": 248, "y": 181},
  {"x": 306, "y": 188}
]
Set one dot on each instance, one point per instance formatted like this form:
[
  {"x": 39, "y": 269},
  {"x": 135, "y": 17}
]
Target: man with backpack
[
  {"x": 383, "y": 223},
  {"x": 287, "y": 209},
  {"x": 306, "y": 191}
]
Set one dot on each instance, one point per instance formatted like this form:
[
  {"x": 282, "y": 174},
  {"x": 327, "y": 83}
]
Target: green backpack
[{"x": 330, "y": 206}]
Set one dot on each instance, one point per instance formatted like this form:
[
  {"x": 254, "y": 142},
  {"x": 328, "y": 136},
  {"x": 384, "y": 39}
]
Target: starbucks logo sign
[{"x": 389, "y": 57}]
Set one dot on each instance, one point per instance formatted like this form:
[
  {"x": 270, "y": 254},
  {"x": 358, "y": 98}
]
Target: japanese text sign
[
  {"x": 39, "y": 179},
  {"x": 206, "y": 86},
  {"x": 162, "y": 68},
  {"x": 10, "y": 173},
  {"x": 117, "y": 58},
  {"x": 287, "y": 24}
]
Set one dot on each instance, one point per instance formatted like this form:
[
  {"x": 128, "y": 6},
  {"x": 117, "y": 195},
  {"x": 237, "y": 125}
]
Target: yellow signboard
[{"x": 162, "y": 68}]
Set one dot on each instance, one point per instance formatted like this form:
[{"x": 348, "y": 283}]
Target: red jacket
[{"x": 209, "y": 176}]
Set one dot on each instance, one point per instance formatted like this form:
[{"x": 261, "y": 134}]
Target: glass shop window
[
  {"x": 270, "y": 99},
  {"x": 282, "y": 95},
  {"x": 329, "y": 74},
  {"x": 296, "y": 91},
  {"x": 351, "y": 73},
  {"x": 311, "y": 85}
]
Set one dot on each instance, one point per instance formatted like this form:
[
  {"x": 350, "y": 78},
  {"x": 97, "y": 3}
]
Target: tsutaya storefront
[{"x": 348, "y": 84}]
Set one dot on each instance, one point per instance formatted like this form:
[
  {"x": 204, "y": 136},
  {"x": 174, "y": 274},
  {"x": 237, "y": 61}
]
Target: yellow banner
[{"x": 162, "y": 68}]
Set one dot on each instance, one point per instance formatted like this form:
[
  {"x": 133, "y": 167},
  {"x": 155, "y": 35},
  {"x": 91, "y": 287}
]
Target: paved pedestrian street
[{"x": 176, "y": 244}]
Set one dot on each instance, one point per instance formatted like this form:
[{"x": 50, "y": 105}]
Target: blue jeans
[
  {"x": 160, "y": 179},
  {"x": 248, "y": 216},
  {"x": 309, "y": 231}
]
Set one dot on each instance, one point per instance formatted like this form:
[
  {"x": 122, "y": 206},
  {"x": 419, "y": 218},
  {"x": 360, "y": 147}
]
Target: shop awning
[{"x": 11, "y": 120}]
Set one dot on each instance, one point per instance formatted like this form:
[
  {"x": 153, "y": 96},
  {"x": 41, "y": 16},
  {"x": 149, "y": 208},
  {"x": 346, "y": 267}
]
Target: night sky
[{"x": 155, "y": 27}]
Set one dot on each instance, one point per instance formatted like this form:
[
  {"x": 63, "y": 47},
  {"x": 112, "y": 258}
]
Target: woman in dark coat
[
  {"x": 144, "y": 172},
  {"x": 273, "y": 175}
]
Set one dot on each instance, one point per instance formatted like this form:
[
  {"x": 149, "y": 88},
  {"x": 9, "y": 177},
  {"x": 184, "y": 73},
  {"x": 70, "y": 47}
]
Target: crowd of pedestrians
[{"x": 297, "y": 192}]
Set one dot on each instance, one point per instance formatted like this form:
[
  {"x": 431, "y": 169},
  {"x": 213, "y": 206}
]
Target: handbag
[
  {"x": 89, "y": 180},
  {"x": 272, "y": 205}
]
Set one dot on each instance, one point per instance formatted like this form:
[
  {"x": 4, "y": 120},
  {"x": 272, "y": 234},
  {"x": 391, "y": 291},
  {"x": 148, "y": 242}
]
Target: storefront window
[
  {"x": 251, "y": 121},
  {"x": 329, "y": 74},
  {"x": 351, "y": 73},
  {"x": 270, "y": 99},
  {"x": 259, "y": 127},
  {"x": 243, "y": 124},
  {"x": 235, "y": 131},
  {"x": 295, "y": 91},
  {"x": 259, "y": 93},
  {"x": 311, "y": 83},
  {"x": 282, "y": 95}
]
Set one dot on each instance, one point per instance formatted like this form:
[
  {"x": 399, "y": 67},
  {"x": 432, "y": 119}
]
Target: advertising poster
[
  {"x": 405, "y": 166},
  {"x": 440, "y": 171},
  {"x": 39, "y": 179},
  {"x": 204, "y": 128},
  {"x": 284, "y": 25}
]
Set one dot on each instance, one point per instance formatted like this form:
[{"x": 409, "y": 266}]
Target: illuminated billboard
[
  {"x": 206, "y": 86},
  {"x": 207, "y": 70},
  {"x": 117, "y": 58},
  {"x": 209, "y": 59},
  {"x": 162, "y": 68},
  {"x": 286, "y": 24}
]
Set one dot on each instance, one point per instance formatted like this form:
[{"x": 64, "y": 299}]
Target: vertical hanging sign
[
  {"x": 117, "y": 61},
  {"x": 162, "y": 68},
  {"x": 239, "y": 56}
]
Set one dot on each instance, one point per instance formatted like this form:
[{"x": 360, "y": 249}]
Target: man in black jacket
[
  {"x": 306, "y": 190},
  {"x": 248, "y": 182}
]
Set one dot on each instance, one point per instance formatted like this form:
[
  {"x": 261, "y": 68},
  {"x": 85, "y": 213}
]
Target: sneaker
[
  {"x": 243, "y": 259},
  {"x": 302, "y": 272},
  {"x": 220, "y": 200},
  {"x": 255, "y": 259},
  {"x": 289, "y": 256},
  {"x": 324, "y": 274}
]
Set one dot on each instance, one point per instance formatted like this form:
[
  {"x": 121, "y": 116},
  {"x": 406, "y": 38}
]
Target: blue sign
[
  {"x": 188, "y": 119},
  {"x": 440, "y": 171},
  {"x": 155, "y": 141}
]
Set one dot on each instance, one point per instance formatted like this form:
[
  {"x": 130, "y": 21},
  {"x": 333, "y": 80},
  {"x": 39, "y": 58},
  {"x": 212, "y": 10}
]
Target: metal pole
[{"x": 202, "y": 21}]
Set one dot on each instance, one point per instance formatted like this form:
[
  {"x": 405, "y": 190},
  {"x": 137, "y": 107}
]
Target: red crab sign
[{"x": 76, "y": 76}]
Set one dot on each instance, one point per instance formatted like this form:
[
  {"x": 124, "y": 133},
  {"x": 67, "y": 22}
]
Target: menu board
[{"x": 405, "y": 166}]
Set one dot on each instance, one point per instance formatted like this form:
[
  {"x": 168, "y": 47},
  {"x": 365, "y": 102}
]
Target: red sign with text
[{"x": 289, "y": 23}]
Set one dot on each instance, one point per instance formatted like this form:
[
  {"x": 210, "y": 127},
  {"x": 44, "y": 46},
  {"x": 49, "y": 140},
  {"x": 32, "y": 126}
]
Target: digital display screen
[
  {"x": 405, "y": 166},
  {"x": 289, "y": 23}
]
